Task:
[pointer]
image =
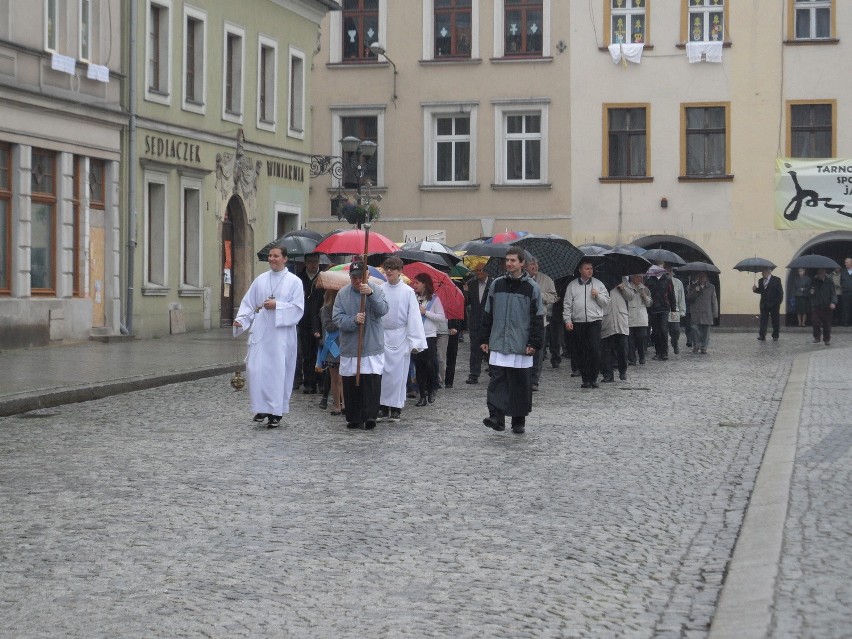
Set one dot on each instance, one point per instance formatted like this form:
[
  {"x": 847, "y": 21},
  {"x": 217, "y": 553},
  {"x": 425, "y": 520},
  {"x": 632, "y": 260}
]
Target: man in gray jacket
[
  {"x": 585, "y": 301},
  {"x": 362, "y": 401}
]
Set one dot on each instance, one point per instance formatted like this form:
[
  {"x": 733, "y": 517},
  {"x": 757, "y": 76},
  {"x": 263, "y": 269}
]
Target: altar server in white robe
[
  {"x": 403, "y": 334},
  {"x": 271, "y": 309}
]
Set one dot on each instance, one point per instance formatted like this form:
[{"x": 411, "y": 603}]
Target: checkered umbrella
[{"x": 556, "y": 256}]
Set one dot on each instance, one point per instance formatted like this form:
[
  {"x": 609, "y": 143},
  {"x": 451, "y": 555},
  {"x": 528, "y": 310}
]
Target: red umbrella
[
  {"x": 508, "y": 236},
  {"x": 451, "y": 297},
  {"x": 351, "y": 242}
]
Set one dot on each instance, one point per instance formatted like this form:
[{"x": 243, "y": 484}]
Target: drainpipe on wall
[{"x": 131, "y": 174}]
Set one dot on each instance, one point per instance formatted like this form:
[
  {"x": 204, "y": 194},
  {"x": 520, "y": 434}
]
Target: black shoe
[
  {"x": 689, "y": 344},
  {"x": 665, "y": 358},
  {"x": 352, "y": 425},
  {"x": 430, "y": 397},
  {"x": 575, "y": 374},
  {"x": 762, "y": 339},
  {"x": 421, "y": 401},
  {"x": 273, "y": 422},
  {"x": 471, "y": 380},
  {"x": 676, "y": 349},
  {"x": 493, "y": 423},
  {"x": 384, "y": 413},
  {"x": 448, "y": 385},
  {"x": 535, "y": 387},
  {"x": 816, "y": 341},
  {"x": 775, "y": 339},
  {"x": 395, "y": 414},
  {"x": 518, "y": 429},
  {"x": 641, "y": 362},
  {"x": 622, "y": 376},
  {"x": 607, "y": 380},
  {"x": 324, "y": 403},
  {"x": 828, "y": 342},
  {"x": 656, "y": 357},
  {"x": 594, "y": 385},
  {"x": 310, "y": 390},
  {"x": 585, "y": 385},
  {"x": 369, "y": 424},
  {"x": 554, "y": 364},
  {"x": 260, "y": 417}
]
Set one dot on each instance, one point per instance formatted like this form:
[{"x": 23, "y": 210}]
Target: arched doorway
[
  {"x": 237, "y": 272},
  {"x": 688, "y": 250},
  {"x": 838, "y": 246}
]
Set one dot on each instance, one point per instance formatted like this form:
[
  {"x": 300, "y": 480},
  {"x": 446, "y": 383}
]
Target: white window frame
[
  {"x": 429, "y": 30},
  {"x": 811, "y": 8},
  {"x": 48, "y": 45},
  {"x": 500, "y": 42},
  {"x": 296, "y": 92},
  {"x": 335, "y": 29},
  {"x": 191, "y": 281},
  {"x": 85, "y": 18},
  {"x": 233, "y": 116},
  {"x": 265, "y": 44},
  {"x": 628, "y": 12},
  {"x": 502, "y": 110},
  {"x": 431, "y": 113},
  {"x": 285, "y": 209},
  {"x": 707, "y": 10},
  {"x": 378, "y": 112},
  {"x": 162, "y": 179},
  {"x": 163, "y": 94},
  {"x": 199, "y": 105}
]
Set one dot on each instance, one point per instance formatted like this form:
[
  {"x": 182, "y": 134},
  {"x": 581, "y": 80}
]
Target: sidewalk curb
[
  {"x": 745, "y": 605},
  {"x": 52, "y": 398}
]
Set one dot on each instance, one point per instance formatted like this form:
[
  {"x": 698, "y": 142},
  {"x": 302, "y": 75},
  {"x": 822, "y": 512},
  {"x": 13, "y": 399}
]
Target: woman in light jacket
[
  {"x": 637, "y": 318},
  {"x": 704, "y": 307},
  {"x": 614, "y": 331}
]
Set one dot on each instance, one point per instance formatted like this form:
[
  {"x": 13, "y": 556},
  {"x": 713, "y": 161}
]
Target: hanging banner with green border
[{"x": 813, "y": 194}]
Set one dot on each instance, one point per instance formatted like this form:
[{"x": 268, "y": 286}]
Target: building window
[
  {"x": 523, "y": 28},
  {"x": 155, "y": 229},
  {"x": 364, "y": 128},
  {"x": 626, "y": 152},
  {"x": 194, "y": 59},
  {"x": 43, "y": 223},
  {"x": 521, "y": 156},
  {"x": 267, "y": 82},
  {"x": 233, "y": 76},
  {"x": 191, "y": 234},
  {"x": 51, "y": 25},
  {"x": 706, "y": 141},
  {"x": 296, "y": 105},
  {"x": 453, "y": 28},
  {"x": 628, "y": 21},
  {"x": 813, "y": 19},
  {"x": 706, "y": 21},
  {"x": 811, "y": 130},
  {"x": 5, "y": 219},
  {"x": 452, "y": 149},
  {"x": 360, "y": 29},
  {"x": 159, "y": 41},
  {"x": 76, "y": 216},
  {"x": 85, "y": 29}
]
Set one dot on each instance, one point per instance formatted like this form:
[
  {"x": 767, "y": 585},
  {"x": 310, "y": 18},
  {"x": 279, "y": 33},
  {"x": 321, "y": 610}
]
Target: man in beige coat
[{"x": 614, "y": 331}]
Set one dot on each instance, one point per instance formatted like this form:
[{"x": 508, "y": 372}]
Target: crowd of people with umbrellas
[{"x": 602, "y": 308}]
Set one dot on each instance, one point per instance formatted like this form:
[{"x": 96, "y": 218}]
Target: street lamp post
[{"x": 356, "y": 158}]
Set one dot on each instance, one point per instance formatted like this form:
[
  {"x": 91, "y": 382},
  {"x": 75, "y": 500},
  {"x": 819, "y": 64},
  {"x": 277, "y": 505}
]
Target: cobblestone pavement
[
  {"x": 813, "y": 596},
  {"x": 167, "y": 512}
]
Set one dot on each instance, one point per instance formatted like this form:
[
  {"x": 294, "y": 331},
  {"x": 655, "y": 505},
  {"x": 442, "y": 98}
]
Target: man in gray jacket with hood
[{"x": 511, "y": 331}]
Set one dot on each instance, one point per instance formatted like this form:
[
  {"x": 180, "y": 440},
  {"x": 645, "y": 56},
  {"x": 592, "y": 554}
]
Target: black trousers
[
  {"x": 476, "y": 353},
  {"x": 509, "y": 392},
  {"x": 821, "y": 317},
  {"x": 765, "y": 314},
  {"x": 637, "y": 343},
  {"x": 587, "y": 342},
  {"x": 452, "y": 355},
  {"x": 614, "y": 355},
  {"x": 426, "y": 367},
  {"x": 659, "y": 325},
  {"x": 362, "y": 401},
  {"x": 307, "y": 357},
  {"x": 846, "y": 308}
]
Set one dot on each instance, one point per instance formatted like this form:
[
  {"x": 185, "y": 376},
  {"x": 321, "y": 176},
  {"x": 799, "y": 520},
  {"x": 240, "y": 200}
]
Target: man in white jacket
[{"x": 585, "y": 300}]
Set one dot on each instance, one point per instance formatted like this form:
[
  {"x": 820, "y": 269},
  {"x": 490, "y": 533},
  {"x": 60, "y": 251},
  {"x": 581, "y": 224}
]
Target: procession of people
[{"x": 372, "y": 343}]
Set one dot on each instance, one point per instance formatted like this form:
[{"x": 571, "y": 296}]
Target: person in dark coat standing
[
  {"x": 310, "y": 326},
  {"x": 662, "y": 304},
  {"x": 476, "y": 292},
  {"x": 823, "y": 302},
  {"x": 771, "y": 295}
]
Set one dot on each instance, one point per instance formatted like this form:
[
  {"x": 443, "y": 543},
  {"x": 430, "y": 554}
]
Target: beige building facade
[{"x": 655, "y": 122}]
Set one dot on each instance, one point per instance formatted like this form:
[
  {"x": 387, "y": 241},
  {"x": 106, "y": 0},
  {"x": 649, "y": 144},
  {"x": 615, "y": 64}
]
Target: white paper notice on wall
[
  {"x": 63, "y": 63},
  {"x": 98, "y": 72},
  {"x": 414, "y": 235}
]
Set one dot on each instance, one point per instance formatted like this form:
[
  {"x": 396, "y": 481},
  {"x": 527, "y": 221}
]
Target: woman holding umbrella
[
  {"x": 802, "y": 288},
  {"x": 426, "y": 362}
]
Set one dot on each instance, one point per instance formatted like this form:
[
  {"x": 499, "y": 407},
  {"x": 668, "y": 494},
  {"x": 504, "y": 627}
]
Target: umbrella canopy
[
  {"x": 629, "y": 248},
  {"x": 351, "y": 242},
  {"x": 508, "y": 236},
  {"x": 813, "y": 261},
  {"x": 600, "y": 245},
  {"x": 430, "y": 246},
  {"x": 663, "y": 255},
  {"x": 451, "y": 297},
  {"x": 593, "y": 249},
  {"x": 655, "y": 270},
  {"x": 697, "y": 267},
  {"x": 459, "y": 271},
  {"x": 337, "y": 277},
  {"x": 421, "y": 256},
  {"x": 489, "y": 250},
  {"x": 753, "y": 265},
  {"x": 619, "y": 263},
  {"x": 295, "y": 245},
  {"x": 308, "y": 233},
  {"x": 556, "y": 256}
]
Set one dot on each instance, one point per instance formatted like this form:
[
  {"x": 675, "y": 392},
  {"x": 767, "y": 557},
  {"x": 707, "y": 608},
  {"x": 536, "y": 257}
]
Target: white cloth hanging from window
[
  {"x": 704, "y": 51},
  {"x": 63, "y": 63},
  {"x": 98, "y": 72},
  {"x": 628, "y": 52}
]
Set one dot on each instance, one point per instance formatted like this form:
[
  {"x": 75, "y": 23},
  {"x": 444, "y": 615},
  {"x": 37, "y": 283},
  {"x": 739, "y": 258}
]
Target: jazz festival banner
[{"x": 813, "y": 194}]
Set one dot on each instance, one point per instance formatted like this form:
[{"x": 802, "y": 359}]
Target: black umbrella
[
  {"x": 438, "y": 248},
  {"x": 697, "y": 267},
  {"x": 592, "y": 249},
  {"x": 308, "y": 233},
  {"x": 296, "y": 246},
  {"x": 409, "y": 256},
  {"x": 556, "y": 256},
  {"x": 663, "y": 255},
  {"x": 630, "y": 248},
  {"x": 753, "y": 265},
  {"x": 617, "y": 263},
  {"x": 489, "y": 250},
  {"x": 464, "y": 246},
  {"x": 813, "y": 261}
]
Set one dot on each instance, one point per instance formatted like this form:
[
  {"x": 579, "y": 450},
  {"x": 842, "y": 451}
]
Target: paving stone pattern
[{"x": 167, "y": 512}]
